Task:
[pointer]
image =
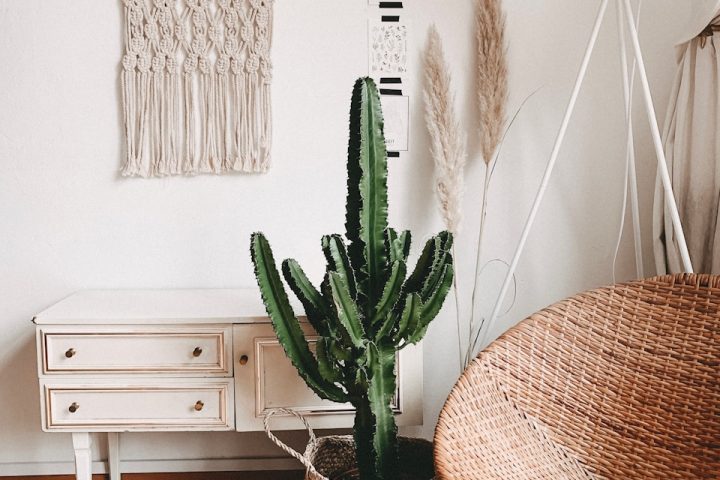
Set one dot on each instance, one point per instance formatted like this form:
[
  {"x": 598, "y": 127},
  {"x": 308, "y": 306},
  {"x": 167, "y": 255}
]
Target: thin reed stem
[
  {"x": 456, "y": 294},
  {"x": 478, "y": 256}
]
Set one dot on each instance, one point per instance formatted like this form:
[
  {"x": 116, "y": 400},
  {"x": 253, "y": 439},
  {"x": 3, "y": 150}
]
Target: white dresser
[{"x": 177, "y": 360}]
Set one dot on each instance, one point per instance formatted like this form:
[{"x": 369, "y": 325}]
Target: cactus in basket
[{"x": 367, "y": 307}]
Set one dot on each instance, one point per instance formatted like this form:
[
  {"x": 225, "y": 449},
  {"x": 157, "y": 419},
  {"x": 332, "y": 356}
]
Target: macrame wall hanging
[{"x": 196, "y": 78}]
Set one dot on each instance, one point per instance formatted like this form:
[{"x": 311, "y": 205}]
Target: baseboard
[{"x": 155, "y": 466}]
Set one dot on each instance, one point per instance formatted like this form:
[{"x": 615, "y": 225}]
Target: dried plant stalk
[
  {"x": 492, "y": 93},
  {"x": 492, "y": 74},
  {"x": 447, "y": 139},
  {"x": 447, "y": 148}
]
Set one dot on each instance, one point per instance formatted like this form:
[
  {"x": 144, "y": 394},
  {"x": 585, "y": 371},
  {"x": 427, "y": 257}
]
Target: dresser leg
[
  {"x": 114, "y": 455},
  {"x": 83, "y": 456}
]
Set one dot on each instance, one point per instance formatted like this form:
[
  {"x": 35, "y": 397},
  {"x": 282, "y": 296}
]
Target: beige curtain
[{"x": 692, "y": 145}]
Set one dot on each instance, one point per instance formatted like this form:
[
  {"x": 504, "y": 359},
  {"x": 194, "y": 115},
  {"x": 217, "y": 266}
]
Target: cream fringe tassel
[{"x": 194, "y": 117}]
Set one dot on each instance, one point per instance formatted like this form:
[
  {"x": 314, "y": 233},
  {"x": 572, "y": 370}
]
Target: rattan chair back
[{"x": 620, "y": 382}]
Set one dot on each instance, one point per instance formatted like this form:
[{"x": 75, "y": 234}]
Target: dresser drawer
[
  {"x": 265, "y": 379},
  {"x": 138, "y": 407},
  {"x": 201, "y": 350}
]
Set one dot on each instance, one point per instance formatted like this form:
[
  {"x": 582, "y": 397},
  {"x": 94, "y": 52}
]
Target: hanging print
[{"x": 196, "y": 78}]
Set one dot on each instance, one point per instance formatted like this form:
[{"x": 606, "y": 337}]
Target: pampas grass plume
[
  {"x": 492, "y": 74},
  {"x": 447, "y": 139}
]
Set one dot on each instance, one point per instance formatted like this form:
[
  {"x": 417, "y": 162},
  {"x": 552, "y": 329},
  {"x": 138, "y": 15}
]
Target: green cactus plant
[{"x": 366, "y": 308}]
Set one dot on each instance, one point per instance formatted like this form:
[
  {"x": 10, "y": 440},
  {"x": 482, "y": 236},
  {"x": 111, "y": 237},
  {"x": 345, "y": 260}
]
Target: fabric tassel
[{"x": 196, "y": 87}]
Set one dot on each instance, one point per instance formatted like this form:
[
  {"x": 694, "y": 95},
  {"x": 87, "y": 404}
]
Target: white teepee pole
[
  {"x": 628, "y": 81},
  {"x": 657, "y": 141},
  {"x": 549, "y": 168}
]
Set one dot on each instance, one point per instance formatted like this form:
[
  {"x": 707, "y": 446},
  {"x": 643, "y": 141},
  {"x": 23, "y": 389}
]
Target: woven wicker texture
[{"x": 620, "y": 382}]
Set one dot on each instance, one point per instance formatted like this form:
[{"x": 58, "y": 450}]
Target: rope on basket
[{"x": 289, "y": 450}]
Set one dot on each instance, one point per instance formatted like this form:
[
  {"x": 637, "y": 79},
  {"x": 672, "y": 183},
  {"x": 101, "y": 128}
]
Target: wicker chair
[{"x": 621, "y": 382}]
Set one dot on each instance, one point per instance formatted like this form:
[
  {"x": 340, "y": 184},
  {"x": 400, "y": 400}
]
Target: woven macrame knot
[
  {"x": 263, "y": 17},
  {"x": 231, "y": 45},
  {"x": 152, "y": 31},
  {"x": 164, "y": 16},
  {"x": 199, "y": 17},
  {"x": 262, "y": 47},
  {"x": 144, "y": 62},
  {"x": 266, "y": 70},
  {"x": 223, "y": 64},
  {"x": 158, "y": 63},
  {"x": 214, "y": 34},
  {"x": 172, "y": 66},
  {"x": 138, "y": 31},
  {"x": 252, "y": 64},
  {"x": 236, "y": 66},
  {"x": 136, "y": 15},
  {"x": 231, "y": 19},
  {"x": 129, "y": 62},
  {"x": 197, "y": 46},
  {"x": 191, "y": 64},
  {"x": 166, "y": 45},
  {"x": 182, "y": 32},
  {"x": 137, "y": 45},
  {"x": 246, "y": 33}
]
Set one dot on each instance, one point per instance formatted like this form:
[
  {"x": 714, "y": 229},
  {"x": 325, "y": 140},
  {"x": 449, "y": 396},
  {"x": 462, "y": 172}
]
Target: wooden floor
[{"x": 286, "y": 475}]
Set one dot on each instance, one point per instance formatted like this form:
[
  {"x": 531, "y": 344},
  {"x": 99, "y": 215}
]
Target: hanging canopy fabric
[{"x": 691, "y": 142}]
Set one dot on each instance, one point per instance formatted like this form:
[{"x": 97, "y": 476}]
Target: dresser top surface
[{"x": 241, "y": 305}]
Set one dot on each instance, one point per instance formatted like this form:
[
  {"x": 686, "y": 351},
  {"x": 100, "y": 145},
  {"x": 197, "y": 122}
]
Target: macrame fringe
[{"x": 211, "y": 119}]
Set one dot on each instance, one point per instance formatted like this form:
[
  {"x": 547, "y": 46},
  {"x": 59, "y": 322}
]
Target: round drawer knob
[
  {"x": 70, "y": 353},
  {"x": 74, "y": 407},
  {"x": 197, "y": 352},
  {"x": 243, "y": 360},
  {"x": 199, "y": 405}
]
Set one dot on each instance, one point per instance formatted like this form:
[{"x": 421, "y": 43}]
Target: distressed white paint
[{"x": 68, "y": 222}]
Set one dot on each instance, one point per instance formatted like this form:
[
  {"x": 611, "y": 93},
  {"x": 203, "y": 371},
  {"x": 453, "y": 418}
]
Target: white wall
[{"x": 69, "y": 222}]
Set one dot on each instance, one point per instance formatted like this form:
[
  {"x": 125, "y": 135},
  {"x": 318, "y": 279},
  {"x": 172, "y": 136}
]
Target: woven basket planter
[{"x": 333, "y": 457}]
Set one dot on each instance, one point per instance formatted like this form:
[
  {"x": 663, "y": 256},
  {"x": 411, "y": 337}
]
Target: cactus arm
[
  {"x": 422, "y": 269},
  {"x": 436, "y": 274},
  {"x": 367, "y": 212},
  {"x": 391, "y": 292},
  {"x": 338, "y": 260},
  {"x": 432, "y": 306},
  {"x": 354, "y": 200},
  {"x": 441, "y": 257},
  {"x": 410, "y": 316},
  {"x": 397, "y": 246},
  {"x": 391, "y": 236},
  {"x": 429, "y": 265},
  {"x": 337, "y": 330},
  {"x": 326, "y": 364},
  {"x": 285, "y": 324},
  {"x": 347, "y": 311},
  {"x": 312, "y": 300},
  {"x": 380, "y": 392},
  {"x": 388, "y": 324}
]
